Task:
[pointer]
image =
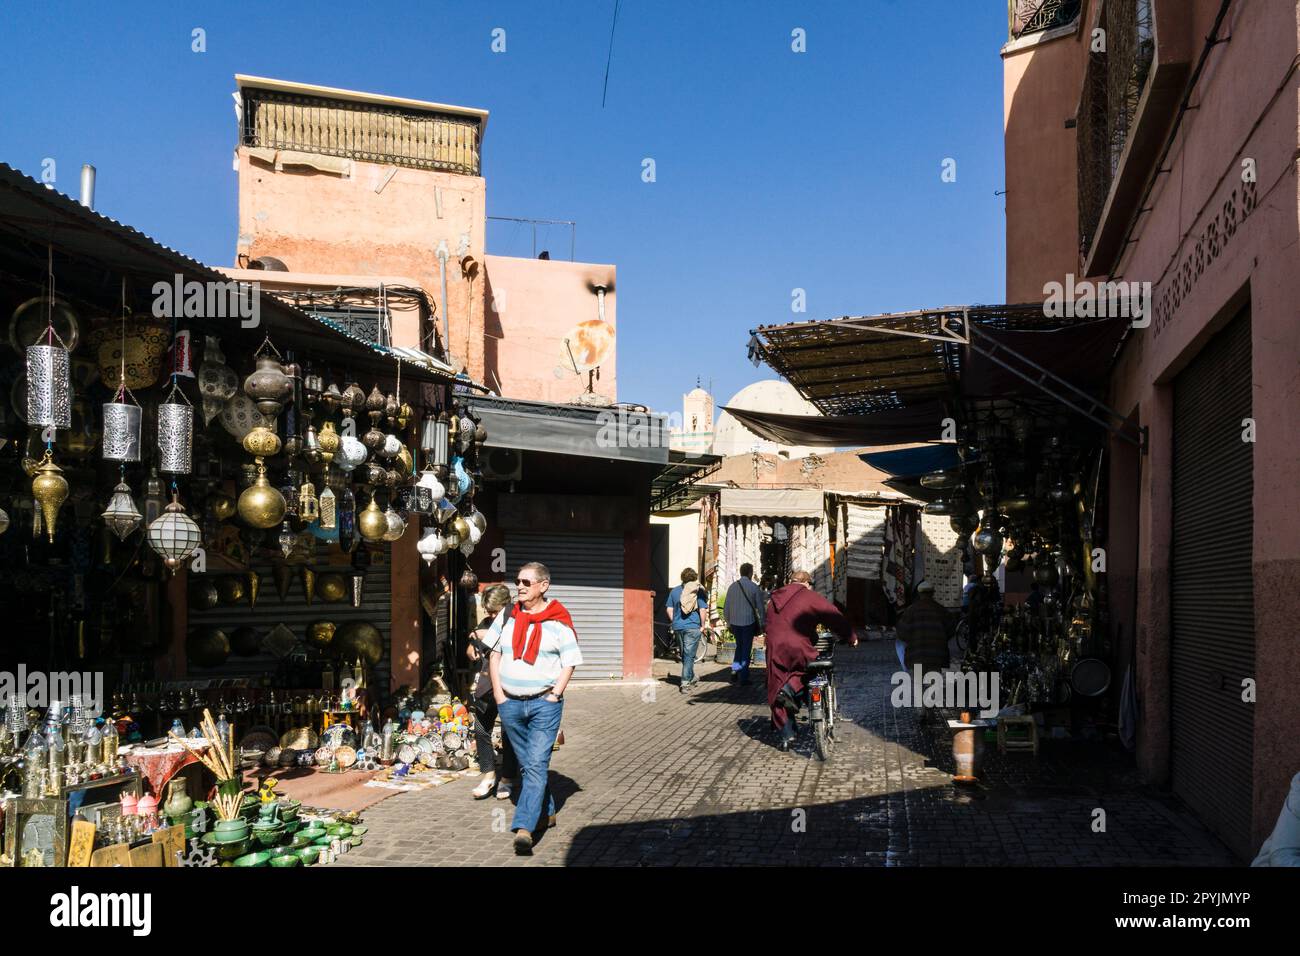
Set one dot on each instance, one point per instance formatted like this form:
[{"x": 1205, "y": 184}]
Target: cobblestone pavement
[{"x": 651, "y": 777}]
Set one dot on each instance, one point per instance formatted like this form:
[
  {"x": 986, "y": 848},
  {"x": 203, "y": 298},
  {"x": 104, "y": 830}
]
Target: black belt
[{"x": 541, "y": 693}]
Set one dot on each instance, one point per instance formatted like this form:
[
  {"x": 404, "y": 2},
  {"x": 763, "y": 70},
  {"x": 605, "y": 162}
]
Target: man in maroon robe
[{"x": 793, "y": 614}]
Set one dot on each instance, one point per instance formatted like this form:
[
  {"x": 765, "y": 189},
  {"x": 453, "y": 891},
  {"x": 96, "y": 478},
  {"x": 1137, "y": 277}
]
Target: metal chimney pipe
[{"x": 88, "y": 186}]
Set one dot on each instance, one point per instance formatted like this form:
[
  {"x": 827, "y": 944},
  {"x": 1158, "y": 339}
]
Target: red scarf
[{"x": 526, "y": 638}]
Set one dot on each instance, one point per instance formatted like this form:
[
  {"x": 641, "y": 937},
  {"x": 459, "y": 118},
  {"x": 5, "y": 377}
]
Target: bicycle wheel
[
  {"x": 821, "y": 738},
  {"x": 830, "y": 709},
  {"x": 962, "y": 635},
  {"x": 702, "y": 649}
]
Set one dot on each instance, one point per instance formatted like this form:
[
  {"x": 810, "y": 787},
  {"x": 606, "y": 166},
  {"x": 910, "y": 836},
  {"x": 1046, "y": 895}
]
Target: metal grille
[
  {"x": 1035, "y": 16},
  {"x": 367, "y": 132},
  {"x": 371, "y": 323},
  {"x": 1213, "y": 627},
  {"x": 1113, "y": 87},
  {"x": 587, "y": 578}
]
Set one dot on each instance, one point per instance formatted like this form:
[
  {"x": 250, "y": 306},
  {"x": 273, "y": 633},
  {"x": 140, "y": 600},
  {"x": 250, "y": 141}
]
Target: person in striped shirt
[{"x": 534, "y": 648}]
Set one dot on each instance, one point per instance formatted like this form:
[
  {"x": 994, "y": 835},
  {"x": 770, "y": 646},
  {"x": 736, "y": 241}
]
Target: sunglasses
[{"x": 524, "y": 584}]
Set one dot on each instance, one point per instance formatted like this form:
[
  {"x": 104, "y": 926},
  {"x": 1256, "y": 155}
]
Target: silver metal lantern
[
  {"x": 49, "y": 386},
  {"x": 121, "y": 430},
  {"x": 175, "y": 433},
  {"x": 121, "y": 515}
]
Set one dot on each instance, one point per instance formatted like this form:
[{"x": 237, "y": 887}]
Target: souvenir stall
[
  {"x": 198, "y": 515},
  {"x": 778, "y": 531}
]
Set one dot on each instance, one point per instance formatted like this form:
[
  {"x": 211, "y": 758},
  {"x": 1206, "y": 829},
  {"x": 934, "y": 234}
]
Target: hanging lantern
[
  {"x": 261, "y": 505},
  {"x": 452, "y": 539},
  {"x": 347, "y": 520},
  {"x": 475, "y": 535},
  {"x": 328, "y": 509},
  {"x": 396, "y": 526},
  {"x": 428, "y": 434},
  {"x": 461, "y": 527},
  {"x": 121, "y": 515},
  {"x": 477, "y": 519},
  {"x": 311, "y": 445},
  {"x": 308, "y": 506},
  {"x": 4, "y": 521},
  {"x": 218, "y": 382},
  {"x": 287, "y": 540},
  {"x": 428, "y": 491},
  {"x": 467, "y": 548},
  {"x": 986, "y": 539},
  {"x": 352, "y": 401},
  {"x": 313, "y": 387},
  {"x": 372, "y": 522},
  {"x": 328, "y": 442},
  {"x": 174, "y": 536},
  {"x": 308, "y": 584},
  {"x": 404, "y": 415},
  {"x": 390, "y": 447},
  {"x": 331, "y": 399},
  {"x": 49, "y": 386},
  {"x": 262, "y": 443},
  {"x": 122, "y": 429},
  {"x": 441, "y": 444},
  {"x": 350, "y": 454},
  {"x": 50, "y": 489},
  {"x": 358, "y": 586},
  {"x": 268, "y": 386},
  {"x": 373, "y": 440},
  {"x": 175, "y": 433},
  {"x": 430, "y": 545}
]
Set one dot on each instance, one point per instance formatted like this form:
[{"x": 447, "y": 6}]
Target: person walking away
[
  {"x": 501, "y": 779},
  {"x": 792, "y": 616},
  {"x": 685, "y": 610},
  {"x": 534, "y": 652},
  {"x": 925, "y": 629},
  {"x": 743, "y": 611}
]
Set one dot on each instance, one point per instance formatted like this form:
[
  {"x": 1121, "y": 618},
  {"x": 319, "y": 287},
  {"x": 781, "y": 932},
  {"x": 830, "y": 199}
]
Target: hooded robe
[{"x": 793, "y": 614}]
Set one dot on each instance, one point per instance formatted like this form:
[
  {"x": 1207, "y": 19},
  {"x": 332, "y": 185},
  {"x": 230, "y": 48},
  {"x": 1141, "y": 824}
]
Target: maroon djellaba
[{"x": 792, "y": 618}]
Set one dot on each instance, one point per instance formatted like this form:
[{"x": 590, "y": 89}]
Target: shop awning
[
  {"x": 679, "y": 483},
  {"x": 911, "y": 462},
  {"x": 771, "y": 503},
  {"x": 893, "y": 370},
  {"x": 617, "y": 434},
  {"x": 892, "y": 427},
  {"x": 93, "y": 254}
]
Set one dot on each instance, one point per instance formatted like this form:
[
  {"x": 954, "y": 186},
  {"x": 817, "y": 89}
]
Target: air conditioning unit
[{"x": 503, "y": 464}]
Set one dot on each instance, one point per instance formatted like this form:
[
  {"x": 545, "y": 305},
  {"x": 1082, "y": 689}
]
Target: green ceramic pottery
[
  {"x": 292, "y": 827},
  {"x": 299, "y": 841},
  {"x": 268, "y": 836},
  {"x": 343, "y": 832},
  {"x": 282, "y": 861},
  {"x": 308, "y": 854},
  {"x": 313, "y": 831},
  {"x": 359, "y": 830},
  {"x": 254, "y": 859},
  {"x": 289, "y": 810},
  {"x": 324, "y": 841},
  {"x": 354, "y": 841}
]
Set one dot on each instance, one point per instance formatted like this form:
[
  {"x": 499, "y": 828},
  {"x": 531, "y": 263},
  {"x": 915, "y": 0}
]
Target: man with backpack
[
  {"x": 743, "y": 610},
  {"x": 687, "y": 609}
]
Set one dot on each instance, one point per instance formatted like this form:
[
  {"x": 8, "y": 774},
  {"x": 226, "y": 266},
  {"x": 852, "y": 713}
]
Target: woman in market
[{"x": 495, "y": 598}]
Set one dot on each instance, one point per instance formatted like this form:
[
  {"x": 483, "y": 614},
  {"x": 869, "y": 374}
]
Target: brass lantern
[
  {"x": 352, "y": 401},
  {"x": 121, "y": 515},
  {"x": 261, "y": 505},
  {"x": 50, "y": 489},
  {"x": 328, "y": 509},
  {"x": 308, "y": 507},
  {"x": 328, "y": 442},
  {"x": 372, "y": 523},
  {"x": 396, "y": 526}
]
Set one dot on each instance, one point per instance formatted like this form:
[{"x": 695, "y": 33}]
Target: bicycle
[
  {"x": 669, "y": 648},
  {"x": 820, "y": 692}
]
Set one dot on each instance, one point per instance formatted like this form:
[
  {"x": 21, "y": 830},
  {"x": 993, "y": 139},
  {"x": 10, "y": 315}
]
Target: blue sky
[{"x": 775, "y": 170}]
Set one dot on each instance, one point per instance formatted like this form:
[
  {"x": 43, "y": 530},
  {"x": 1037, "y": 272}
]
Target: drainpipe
[
  {"x": 443, "y": 253},
  {"x": 88, "y": 186},
  {"x": 600, "y": 297}
]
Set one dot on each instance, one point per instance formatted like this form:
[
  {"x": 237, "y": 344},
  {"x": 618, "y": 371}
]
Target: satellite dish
[{"x": 586, "y": 346}]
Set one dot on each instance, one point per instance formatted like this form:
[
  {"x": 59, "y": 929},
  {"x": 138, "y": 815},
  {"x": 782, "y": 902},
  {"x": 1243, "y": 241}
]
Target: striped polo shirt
[{"x": 559, "y": 650}]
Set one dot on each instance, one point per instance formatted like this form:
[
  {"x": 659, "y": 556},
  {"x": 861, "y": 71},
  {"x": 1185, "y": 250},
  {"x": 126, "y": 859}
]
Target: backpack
[{"x": 690, "y": 599}]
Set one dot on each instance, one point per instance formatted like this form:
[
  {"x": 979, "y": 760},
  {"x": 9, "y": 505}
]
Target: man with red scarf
[
  {"x": 534, "y": 649},
  {"x": 793, "y": 614}
]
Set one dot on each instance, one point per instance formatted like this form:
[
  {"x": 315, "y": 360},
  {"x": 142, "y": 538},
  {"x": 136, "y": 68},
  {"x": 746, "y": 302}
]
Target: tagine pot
[{"x": 179, "y": 804}]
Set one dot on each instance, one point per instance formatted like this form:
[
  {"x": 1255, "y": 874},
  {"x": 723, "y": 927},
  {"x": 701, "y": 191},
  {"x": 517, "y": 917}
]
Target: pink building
[{"x": 1155, "y": 141}]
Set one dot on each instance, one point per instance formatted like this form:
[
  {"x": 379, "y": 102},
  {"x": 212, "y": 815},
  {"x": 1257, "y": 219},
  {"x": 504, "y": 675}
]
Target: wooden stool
[{"x": 1017, "y": 742}]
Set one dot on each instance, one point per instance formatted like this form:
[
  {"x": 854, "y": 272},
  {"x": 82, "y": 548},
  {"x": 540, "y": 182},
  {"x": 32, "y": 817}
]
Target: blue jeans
[
  {"x": 531, "y": 726},
  {"x": 689, "y": 641},
  {"x": 744, "y": 635}
]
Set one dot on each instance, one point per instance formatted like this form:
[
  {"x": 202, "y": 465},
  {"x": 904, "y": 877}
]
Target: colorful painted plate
[{"x": 346, "y": 756}]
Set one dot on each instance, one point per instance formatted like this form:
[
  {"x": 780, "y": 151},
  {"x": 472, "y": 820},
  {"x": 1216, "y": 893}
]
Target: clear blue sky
[{"x": 775, "y": 169}]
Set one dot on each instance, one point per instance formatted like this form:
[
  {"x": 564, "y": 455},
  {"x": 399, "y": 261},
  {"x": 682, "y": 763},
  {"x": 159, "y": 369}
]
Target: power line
[{"x": 610, "y": 58}]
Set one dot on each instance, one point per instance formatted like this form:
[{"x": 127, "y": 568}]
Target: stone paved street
[{"x": 650, "y": 777}]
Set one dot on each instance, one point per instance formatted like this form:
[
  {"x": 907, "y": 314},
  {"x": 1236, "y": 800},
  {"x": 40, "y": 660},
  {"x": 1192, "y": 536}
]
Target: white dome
[{"x": 773, "y": 395}]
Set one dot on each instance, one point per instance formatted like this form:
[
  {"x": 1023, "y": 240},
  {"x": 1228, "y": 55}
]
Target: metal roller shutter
[
  {"x": 1213, "y": 602},
  {"x": 587, "y": 578}
]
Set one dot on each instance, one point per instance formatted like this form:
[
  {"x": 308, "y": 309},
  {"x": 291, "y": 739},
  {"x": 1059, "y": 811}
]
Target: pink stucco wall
[
  {"x": 533, "y": 305},
  {"x": 370, "y": 224},
  {"x": 1248, "y": 106}
]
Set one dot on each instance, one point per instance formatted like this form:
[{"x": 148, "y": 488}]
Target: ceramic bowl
[
  {"x": 259, "y": 858},
  {"x": 292, "y": 827},
  {"x": 355, "y": 841},
  {"x": 299, "y": 841},
  {"x": 268, "y": 836},
  {"x": 289, "y": 809},
  {"x": 308, "y": 854},
  {"x": 360, "y": 829},
  {"x": 324, "y": 841},
  {"x": 290, "y": 859},
  {"x": 313, "y": 830},
  {"x": 229, "y": 834}
]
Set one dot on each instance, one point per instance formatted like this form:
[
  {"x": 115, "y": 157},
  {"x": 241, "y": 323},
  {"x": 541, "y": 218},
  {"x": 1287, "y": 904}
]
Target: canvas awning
[
  {"x": 893, "y": 427},
  {"x": 771, "y": 503}
]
